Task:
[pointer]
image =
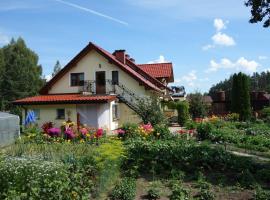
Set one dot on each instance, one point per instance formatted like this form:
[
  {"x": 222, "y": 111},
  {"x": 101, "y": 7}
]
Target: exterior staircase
[{"x": 123, "y": 93}]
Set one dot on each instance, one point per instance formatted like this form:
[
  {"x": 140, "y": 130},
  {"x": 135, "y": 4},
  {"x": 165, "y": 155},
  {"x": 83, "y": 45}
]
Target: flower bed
[{"x": 55, "y": 170}]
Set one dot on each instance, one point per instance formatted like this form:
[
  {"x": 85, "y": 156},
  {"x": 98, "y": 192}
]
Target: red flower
[{"x": 99, "y": 133}]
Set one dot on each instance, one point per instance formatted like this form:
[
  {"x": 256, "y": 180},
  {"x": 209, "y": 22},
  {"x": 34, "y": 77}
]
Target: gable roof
[
  {"x": 64, "y": 98},
  {"x": 111, "y": 58},
  {"x": 159, "y": 70}
]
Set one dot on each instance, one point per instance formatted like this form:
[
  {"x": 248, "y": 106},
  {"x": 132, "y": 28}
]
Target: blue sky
[{"x": 207, "y": 40}]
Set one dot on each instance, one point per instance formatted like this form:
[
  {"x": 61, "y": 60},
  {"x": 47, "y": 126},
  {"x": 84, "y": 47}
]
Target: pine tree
[
  {"x": 246, "y": 106},
  {"x": 1, "y": 78},
  {"x": 241, "y": 96},
  {"x": 21, "y": 75},
  {"x": 234, "y": 94},
  {"x": 57, "y": 68}
]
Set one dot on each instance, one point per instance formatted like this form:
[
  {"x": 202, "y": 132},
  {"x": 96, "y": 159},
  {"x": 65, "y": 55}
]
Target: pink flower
[
  {"x": 84, "y": 131},
  {"x": 121, "y": 131},
  {"x": 148, "y": 128},
  {"x": 54, "y": 131}
]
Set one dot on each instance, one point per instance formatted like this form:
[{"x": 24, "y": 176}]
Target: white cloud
[
  {"x": 267, "y": 70},
  {"x": 263, "y": 57},
  {"x": 189, "y": 79},
  {"x": 207, "y": 47},
  {"x": 48, "y": 77},
  {"x": 4, "y": 39},
  {"x": 223, "y": 39},
  {"x": 242, "y": 64},
  {"x": 219, "y": 24},
  {"x": 161, "y": 59},
  {"x": 219, "y": 38}
]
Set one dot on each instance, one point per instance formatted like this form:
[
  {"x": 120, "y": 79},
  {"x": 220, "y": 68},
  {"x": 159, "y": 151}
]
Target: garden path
[{"x": 249, "y": 155}]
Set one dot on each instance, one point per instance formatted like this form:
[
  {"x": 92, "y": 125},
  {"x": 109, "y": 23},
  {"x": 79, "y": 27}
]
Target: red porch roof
[{"x": 64, "y": 99}]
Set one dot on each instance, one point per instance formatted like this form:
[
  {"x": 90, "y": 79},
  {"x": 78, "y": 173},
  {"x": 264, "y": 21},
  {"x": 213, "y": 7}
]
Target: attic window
[{"x": 76, "y": 79}]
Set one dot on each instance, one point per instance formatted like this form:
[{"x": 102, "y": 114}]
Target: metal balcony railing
[{"x": 124, "y": 94}]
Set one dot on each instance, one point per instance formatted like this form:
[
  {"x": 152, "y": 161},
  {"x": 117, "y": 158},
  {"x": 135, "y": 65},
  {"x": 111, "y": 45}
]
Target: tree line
[
  {"x": 20, "y": 74},
  {"x": 257, "y": 82}
]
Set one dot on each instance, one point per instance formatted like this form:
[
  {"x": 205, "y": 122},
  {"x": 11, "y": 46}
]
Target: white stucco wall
[
  {"x": 48, "y": 113},
  {"x": 91, "y": 63}
]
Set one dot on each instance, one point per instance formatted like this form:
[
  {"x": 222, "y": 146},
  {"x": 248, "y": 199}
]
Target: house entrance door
[{"x": 100, "y": 82}]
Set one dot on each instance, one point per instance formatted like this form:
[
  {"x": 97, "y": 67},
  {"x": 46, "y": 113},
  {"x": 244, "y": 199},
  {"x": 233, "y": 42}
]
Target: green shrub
[
  {"x": 205, "y": 194},
  {"x": 183, "y": 112},
  {"x": 232, "y": 117},
  {"x": 246, "y": 179},
  {"x": 125, "y": 190},
  {"x": 197, "y": 107},
  {"x": 204, "y": 130},
  {"x": 150, "y": 111},
  {"x": 98, "y": 165},
  {"x": 182, "y": 155},
  {"x": 265, "y": 113},
  {"x": 162, "y": 131},
  {"x": 37, "y": 179},
  {"x": 153, "y": 193},
  {"x": 179, "y": 193},
  {"x": 130, "y": 130},
  {"x": 261, "y": 194},
  {"x": 190, "y": 124}
]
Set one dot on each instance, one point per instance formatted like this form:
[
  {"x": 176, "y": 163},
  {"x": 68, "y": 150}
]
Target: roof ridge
[{"x": 156, "y": 63}]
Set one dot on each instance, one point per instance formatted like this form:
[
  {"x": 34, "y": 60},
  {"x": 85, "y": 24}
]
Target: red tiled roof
[
  {"x": 158, "y": 70},
  {"x": 106, "y": 54},
  {"x": 64, "y": 98}
]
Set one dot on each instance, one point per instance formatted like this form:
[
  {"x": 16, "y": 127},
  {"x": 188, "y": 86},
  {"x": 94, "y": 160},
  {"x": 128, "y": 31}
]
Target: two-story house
[{"x": 99, "y": 89}]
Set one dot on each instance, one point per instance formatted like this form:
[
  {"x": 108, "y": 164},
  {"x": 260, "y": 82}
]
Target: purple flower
[
  {"x": 69, "y": 133},
  {"x": 54, "y": 132}
]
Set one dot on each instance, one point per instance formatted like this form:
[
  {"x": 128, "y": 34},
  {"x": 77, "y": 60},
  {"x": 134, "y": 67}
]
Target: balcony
[{"x": 103, "y": 87}]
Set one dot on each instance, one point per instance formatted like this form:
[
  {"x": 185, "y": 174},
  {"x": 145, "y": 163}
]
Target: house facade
[{"x": 98, "y": 88}]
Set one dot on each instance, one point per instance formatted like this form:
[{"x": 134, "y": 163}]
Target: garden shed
[{"x": 9, "y": 128}]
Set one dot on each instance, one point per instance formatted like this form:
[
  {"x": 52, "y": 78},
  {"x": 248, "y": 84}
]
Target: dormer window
[{"x": 76, "y": 79}]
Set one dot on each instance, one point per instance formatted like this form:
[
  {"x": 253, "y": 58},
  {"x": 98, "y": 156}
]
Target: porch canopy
[{"x": 65, "y": 99}]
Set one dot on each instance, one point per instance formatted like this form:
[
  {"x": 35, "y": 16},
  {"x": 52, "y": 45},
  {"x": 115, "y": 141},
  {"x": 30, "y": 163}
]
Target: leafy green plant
[
  {"x": 204, "y": 130},
  {"x": 261, "y": 194},
  {"x": 130, "y": 130},
  {"x": 36, "y": 179},
  {"x": 150, "y": 111},
  {"x": 190, "y": 124},
  {"x": 162, "y": 131},
  {"x": 265, "y": 113},
  {"x": 153, "y": 193},
  {"x": 197, "y": 107},
  {"x": 125, "y": 190},
  {"x": 182, "y": 108},
  {"x": 205, "y": 194},
  {"x": 179, "y": 193}
]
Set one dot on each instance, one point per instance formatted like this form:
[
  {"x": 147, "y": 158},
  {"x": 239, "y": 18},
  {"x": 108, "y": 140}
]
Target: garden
[{"x": 145, "y": 161}]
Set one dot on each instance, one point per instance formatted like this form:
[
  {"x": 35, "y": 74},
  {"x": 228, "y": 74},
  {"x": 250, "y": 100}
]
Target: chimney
[{"x": 120, "y": 55}]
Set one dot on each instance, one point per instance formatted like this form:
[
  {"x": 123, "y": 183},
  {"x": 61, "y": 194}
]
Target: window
[
  {"x": 37, "y": 113},
  {"x": 76, "y": 79},
  {"x": 115, "y": 112},
  {"x": 115, "y": 78},
  {"x": 60, "y": 113}
]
